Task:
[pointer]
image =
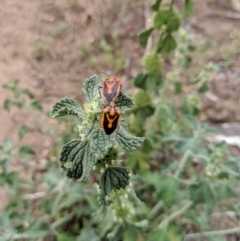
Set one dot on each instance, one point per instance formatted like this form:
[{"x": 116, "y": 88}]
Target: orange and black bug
[
  {"x": 111, "y": 88},
  {"x": 110, "y": 119}
]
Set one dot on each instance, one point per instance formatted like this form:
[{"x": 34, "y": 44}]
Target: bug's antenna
[
  {"x": 105, "y": 73},
  {"x": 117, "y": 73}
]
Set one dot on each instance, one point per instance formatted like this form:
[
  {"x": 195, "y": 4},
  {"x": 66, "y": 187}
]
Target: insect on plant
[
  {"x": 110, "y": 119},
  {"x": 110, "y": 89}
]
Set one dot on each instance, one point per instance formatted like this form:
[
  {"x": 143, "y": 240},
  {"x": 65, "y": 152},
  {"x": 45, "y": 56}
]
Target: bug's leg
[{"x": 120, "y": 87}]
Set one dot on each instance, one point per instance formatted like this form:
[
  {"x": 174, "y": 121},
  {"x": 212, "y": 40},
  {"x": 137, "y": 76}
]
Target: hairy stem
[
  {"x": 155, "y": 209},
  {"x": 171, "y": 217},
  {"x": 212, "y": 233},
  {"x": 62, "y": 220},
  {"x": 172, "y": 3},
  {"x": 182, "y": 163}
]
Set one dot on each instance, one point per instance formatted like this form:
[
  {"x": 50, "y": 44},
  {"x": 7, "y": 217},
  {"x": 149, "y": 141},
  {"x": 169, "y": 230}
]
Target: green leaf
[
  {"x": 26, "y": 151},
  {"x": 188, "y": 8},
  {"x": 91, "y": 88},
  {"x": 28, "y": 93},
  {"x": 79, "y": 159},
  {"x": 201, "y": 192},
  {"x": 131, "y": 233},
  {"x": 141, "y": 80},
  {"x": 128, "y": 141},
  {"x": 203, "y": 88},
  {"x": 232, "y": 168},
  {"x": 36, "y": 105},
  {"x": 156, "y": 5},
  {"x": 99, "y": 141},
  {"x": 124, "y": 102},
  {"x": 187, "y": 62},
  {"x": 67, "y": 106},
  {"x": 87, "y": 234},
  {"x": 177, "y": 87},
  {"x": 167, "y": 189},
  {"x": 65, "y": 237},
  {"x": 37, "y": 229},
  {"x": 143, "y": 37},
  {"x": 112, "y": 178},
  {"x": 4, "y": 221},
  {"x": 223, "y": 191},
  {"x": 11, "y": 85},
  {"x": 7, "y": 104},
  {"x": 153, "y": 82},
  {"x": 23, "y": 131},
  {"x": 157, "y": 235},
  {"x": 167, "y": 44}
]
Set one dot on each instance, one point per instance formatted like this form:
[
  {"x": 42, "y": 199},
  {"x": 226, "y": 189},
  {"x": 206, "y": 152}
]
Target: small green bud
[
  {"x": 106, "y": 161},
  {"x": 142, "y": 98},
  {"x": 168, "y": 17},
  {"x": 92, "y": 110},
  {"x": 152, "y": 63}
]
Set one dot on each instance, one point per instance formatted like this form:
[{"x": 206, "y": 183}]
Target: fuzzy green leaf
[
  {"x": 143, "y": 37},
  {"x": 91, "y": 88},
  {"x": 36, "y": 230},
  {"x": 124, "y": 102},
  {"x": 177, "y": 87},
  {"x": 7, "y": 104},
  {"x": 167, "y": 189},
  {"x": 167, "y": 44},
  {"x": 128, "y": 141},
  {"x": 131, "y": 233},
  {"x": 203, "y": 88},
  {"x": 23, "y": 131},
  {"x": 77, "y": 160},
  {"x": 141, "y": 80},
  {"x": 201, "y": 192},
  {"x": 36, "y": 105},
  {"x": 188, "y": 8},
  {"x": 25, "y": 151},
  {"x": 99, "y": 141},
  {"x": 232, "y": 168},
  {"x": 158, "y": 234},
  {"x": 67, "y": 106},
  {"x": 156, "y": 5},
  {"x": 113, "y": 178}
]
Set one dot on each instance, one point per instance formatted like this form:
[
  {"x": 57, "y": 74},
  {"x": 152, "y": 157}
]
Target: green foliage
[
  {"x": 67, "y": 106},
  {"x": 152, "y": 64},
  {"x": 188, "y": 8},
  {"x": 142, "y": 98},
  {"x": 168, "y": 18},
  {"x": 143, "y": 37},
  {"x": 80, "y": 155},
  {"x": 156, "y": 5},
  {"x": 166, "y": 44},
  {"x": 40, "y": 50},
  {"x": 112, "y": 178}
]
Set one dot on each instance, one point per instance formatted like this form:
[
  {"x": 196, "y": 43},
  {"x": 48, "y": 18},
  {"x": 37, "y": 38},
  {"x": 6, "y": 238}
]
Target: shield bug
[
  {"x": 110, "y": 119},
  {"x": 111, "y": 88}
]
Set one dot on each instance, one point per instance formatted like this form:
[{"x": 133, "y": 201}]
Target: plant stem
[
  {"x": 212, "y": 233},
  {"x": 165, "y": 222},
  {"x": 171, "y": 4},
  {"x": 62, "y": 220},
  {"x": 155, "y": 209},
  {"x": 182, "y": 163}
]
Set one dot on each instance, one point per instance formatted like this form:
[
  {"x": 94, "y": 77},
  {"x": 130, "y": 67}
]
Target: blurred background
[{"x": 48, "y": 49}]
